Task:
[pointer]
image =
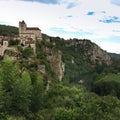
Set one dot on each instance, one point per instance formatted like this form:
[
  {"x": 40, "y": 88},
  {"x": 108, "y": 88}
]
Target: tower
[{"x": 22, "y": 27}]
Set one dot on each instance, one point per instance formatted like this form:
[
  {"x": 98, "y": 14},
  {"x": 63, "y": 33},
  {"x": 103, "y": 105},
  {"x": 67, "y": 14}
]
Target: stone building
[
  {"x": 28, "y": 35},
  {"x": 4, "y": 42},
  {"x": 31, "y": 32}
]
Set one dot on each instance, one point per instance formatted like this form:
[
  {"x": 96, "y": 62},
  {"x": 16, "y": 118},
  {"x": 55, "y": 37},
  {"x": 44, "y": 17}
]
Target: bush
[
  {"x": 27, "y": 52},
  {"x": 64, "y": 114},
  {"x": 14, "y": 42}
]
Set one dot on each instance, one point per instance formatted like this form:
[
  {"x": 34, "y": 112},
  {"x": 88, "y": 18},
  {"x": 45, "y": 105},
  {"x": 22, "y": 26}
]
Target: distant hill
[
  {"x": 114, "y": 55},
  {"x": 6, "y": 30}
]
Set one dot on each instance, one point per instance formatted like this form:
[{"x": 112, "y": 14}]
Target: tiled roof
[
  {"x": 29, "y": 41},
  {"x": 32, "y": 28}
]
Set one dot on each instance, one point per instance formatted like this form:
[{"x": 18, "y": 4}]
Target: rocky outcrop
[
  {"x": 41, "y": 69},
  {"x": 11, "y": 52},
  {"x": 85, "y": 49},
  {"x": 99, "y": 56},
  {"x": 90, "y": 51},
  {"x": 55, "y": 57}
]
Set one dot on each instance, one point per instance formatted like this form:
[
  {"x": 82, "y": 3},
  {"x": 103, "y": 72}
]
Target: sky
[{"x": 96, "y": 20}]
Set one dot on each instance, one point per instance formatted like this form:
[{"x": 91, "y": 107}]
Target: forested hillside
[
  {"x": 8, "y": 30},
  {"x": 31, "y": 88}
]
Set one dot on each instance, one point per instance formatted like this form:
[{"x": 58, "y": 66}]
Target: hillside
[
  {"x": 80, "y": 58},
  {"x": 64, "y": 80},
  {"x": 6, "y": 30}
]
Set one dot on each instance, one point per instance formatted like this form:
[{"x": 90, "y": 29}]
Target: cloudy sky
[{"x": 97, "y": 20}]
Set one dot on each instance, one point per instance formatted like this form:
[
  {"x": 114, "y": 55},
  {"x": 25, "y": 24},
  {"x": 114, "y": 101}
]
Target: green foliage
[
  {"x": 8, "y": 30},
  {"x": 3, "y": 116},
  {"x": 109, "y": 84},
  {"x": 115, "y": 67},
  {"x": 1, "y": 94},
  {"x": 64, "y": 114},
  {"x": 94, "y": 107},
  {"x": 13, "y": 42},
  {"x": 15, "y": 118},
  {"x": 37, "y": 92},
  {"x": 42, "y": 56},
  {"x": 33, "y": 66},
  {"x": 17, "y": 89},
  {"x": 27, "y": 52},
  {"x": 22, "y": 96},
  {"x": 63, "y": 96},
  {"x": 73, "y": 103},
  {"x": 22, "y": 93},
  {"x": 8, "y": 76}
]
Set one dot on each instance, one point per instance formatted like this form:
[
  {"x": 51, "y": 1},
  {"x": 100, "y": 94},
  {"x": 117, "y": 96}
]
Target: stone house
[
  {"x": 4, "y": 44},
  {"x": 28, "y": 35},
  {"x": 32, "y": 32}
]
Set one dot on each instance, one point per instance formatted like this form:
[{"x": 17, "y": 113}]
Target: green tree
[
  {"x": 64, "y": 114},
  {"x": 95, "y": 107},
  {"x": 37, "y": 92},
  {"x": 16, "y": 87},
  {"x": 27, "y": 52},
  {"x": 6, "y": 30},
  {"x": 22, "y": 93},
  {"x": 2, "y": 111},
  {"x": 9, "y": 74}
]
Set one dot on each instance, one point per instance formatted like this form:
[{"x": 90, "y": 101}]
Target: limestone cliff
[
  {"x": 99, "y": 56},
  {"x": 90, "y": 51},
  {"x": 75, "y": 57},
  {"x": 55, "y": 57}
]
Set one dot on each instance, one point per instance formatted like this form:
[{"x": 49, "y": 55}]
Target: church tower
[{"x": 22, "y": 27}]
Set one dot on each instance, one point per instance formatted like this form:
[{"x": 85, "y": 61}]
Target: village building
[
  {"x": 4, "y": 43},
  {"x": 31, "y": 32},
  {"x": 27, "y": 37}
]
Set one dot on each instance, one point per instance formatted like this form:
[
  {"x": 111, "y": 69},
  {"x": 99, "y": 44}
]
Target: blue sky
[{"x": 97, "y": 20}]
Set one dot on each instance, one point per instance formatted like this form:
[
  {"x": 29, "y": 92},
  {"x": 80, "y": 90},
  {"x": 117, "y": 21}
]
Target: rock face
[
  {"x": 87, "y": 50},
  {"x": 90, "y": 51},
  {"x": 99, "y": 56},
  {"x": 55, "y": 57}
]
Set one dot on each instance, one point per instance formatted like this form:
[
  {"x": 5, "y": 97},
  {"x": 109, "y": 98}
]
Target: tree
[
  {"x": 2, "y": 114},
  {"x": 37, "y": 92},
  {"x": 64, "y": 114},
  {"x": 22, "y": 93},
  {"x": 16, "y": 87},
  {"x": 99, "y": 108},
  {"x": 27, "y": 52},
  {"x": 9, "y": 74},
  {"x": 13, "y": 42}
]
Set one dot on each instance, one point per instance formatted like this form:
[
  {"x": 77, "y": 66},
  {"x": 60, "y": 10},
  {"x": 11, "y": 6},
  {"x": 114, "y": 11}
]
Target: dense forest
[
  {"x": 8, "y": 30},
  {"x": 23, "y": 93}
]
